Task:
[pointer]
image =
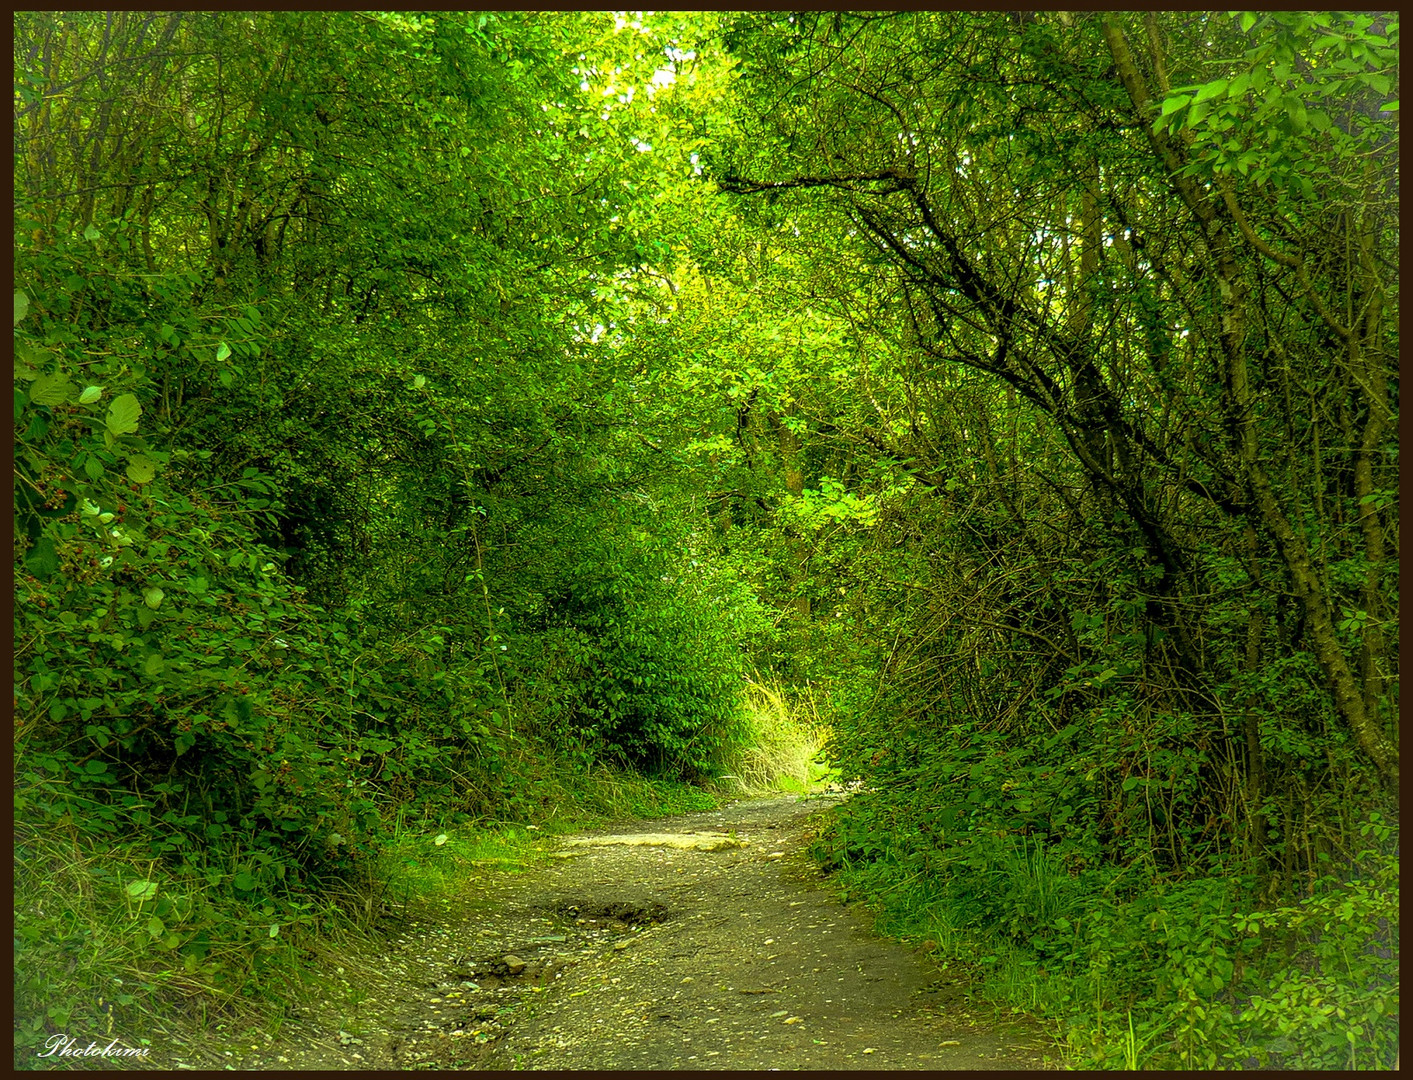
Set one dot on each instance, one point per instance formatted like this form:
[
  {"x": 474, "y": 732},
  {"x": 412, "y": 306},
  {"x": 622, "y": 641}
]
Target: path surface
[{"x": 708, "y": 942}]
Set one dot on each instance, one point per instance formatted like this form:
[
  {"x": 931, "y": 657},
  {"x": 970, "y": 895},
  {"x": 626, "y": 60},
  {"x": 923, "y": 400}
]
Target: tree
[{"x": 1007, "y": 181}]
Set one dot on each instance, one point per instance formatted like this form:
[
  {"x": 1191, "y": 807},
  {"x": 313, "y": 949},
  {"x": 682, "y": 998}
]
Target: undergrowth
[{"x": 1142, "y": 970}]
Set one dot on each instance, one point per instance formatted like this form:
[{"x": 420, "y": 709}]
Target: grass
[
  {"x": 785, "y": 740},
  {"x": 95, "y": 931}
]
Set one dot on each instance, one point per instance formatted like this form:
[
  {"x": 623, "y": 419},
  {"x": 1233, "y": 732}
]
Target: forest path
[{"x": 704, "y": 942}]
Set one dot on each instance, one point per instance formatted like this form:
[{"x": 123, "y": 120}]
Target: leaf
[
  {"x": 123, "y": 414},
  {"x": 141, "y": 470},
  {"x": 142, "y": 890},
  {"x": 51, "y": 389},
  {"x": 223, "y": 351},
  {"x": 1214, "y": 89},
  {"x": 1248, "y": 20},
  {"x": 91, "y": 233},
  {"x": 90, "y": 395},
  {"x": 43, "y": 559},
  {"x": 274, "y": 930},
  {"x": 152, "y": 597},
  {"x": 440, "y": 840},
  {"x": 155, "y": 927},
  {"x": 1173, "y": 104},
  {"x": 154, "y": 666},
  {"x": 21, "y": 306}
]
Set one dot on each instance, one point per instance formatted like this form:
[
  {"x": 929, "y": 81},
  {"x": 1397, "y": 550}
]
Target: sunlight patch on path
[{"x": 696, "y": 841}]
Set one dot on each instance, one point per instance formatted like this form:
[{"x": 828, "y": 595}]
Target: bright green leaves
[
  {"x": 123, "y": 414},
  {"x": 140, "y": 469},
  {"x": 52, "y": 389},
  {"x": 21, "y": 306},
  {"x": 1208, "y": 91},
  {"x": 141, "y": 890},
  {"x": 90, "y": 395},
  {"x": 1299, "y": 105}
]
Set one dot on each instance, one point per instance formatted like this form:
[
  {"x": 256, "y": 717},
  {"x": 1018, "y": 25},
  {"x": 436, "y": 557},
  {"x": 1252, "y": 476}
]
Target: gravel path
[{"x": 700, "y": 942}]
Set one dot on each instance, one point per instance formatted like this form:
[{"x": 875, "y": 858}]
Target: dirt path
[{"x": 705, "y": 942}]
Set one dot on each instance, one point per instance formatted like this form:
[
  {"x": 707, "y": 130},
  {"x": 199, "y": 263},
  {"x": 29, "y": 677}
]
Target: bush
[{"x": 656, "y": 647}]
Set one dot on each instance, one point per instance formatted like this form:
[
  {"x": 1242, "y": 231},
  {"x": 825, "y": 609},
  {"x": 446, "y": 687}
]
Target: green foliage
[
  {"x": 658, "y": 645},
  {"x": 784, "y": 745},
  {"x": 1144, "y": 972},
  {"x": 1308, "y": 85},
  {"x": 406, "y": 429}
]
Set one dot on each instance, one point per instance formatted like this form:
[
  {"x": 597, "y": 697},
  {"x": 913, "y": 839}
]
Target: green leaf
[
  {"x": 28, "y": 360},
  {"x": 123, "y": 414},
  {"x": 155, "y": 927},
  {"x": 1132, "y": 782},
  {"x": 21, "y": 306},
  {"x": 154, "y": 665},
  {"x": 43, "y": 559},
  {"x": 1173, "y": 104},
  {"x": 1248, "y": 20},
  {"x": 142, "y": 890},
  {"x": 1214, "y": 89},
  {"x": 274, "y": 930},
  {"x": 91, "y": 233},
  {"x": 52, "y": 389},
  {"x": 90, "y": 395},
  {"x": 222, "y": 352},
  {"x": 152, "y": 597},
  {"x": 141, "y": 470}
]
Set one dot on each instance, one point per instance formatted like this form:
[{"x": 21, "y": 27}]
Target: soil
[{"x": 707, "y": 941}]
